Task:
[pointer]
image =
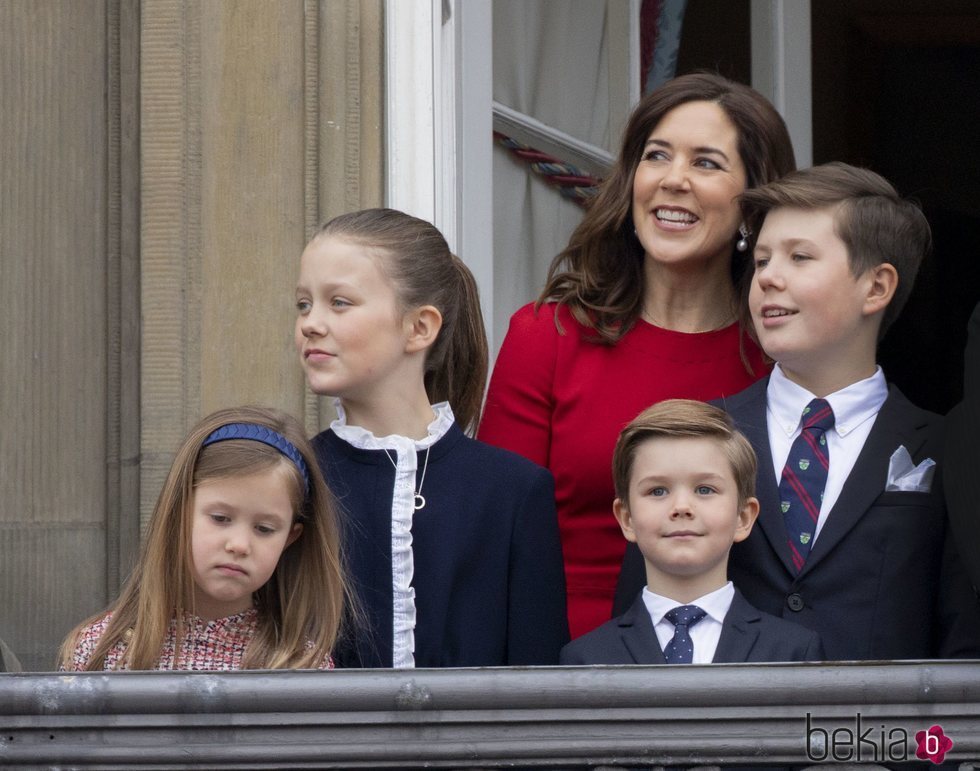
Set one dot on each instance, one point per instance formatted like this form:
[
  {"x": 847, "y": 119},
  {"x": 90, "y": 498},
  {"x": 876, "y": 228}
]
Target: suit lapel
[
  {"x": 751, "y": 420},
  {"x": 738, "y": 633},
  {"x": 895, "y": 425},
  {"x": 638, "y": 635}
]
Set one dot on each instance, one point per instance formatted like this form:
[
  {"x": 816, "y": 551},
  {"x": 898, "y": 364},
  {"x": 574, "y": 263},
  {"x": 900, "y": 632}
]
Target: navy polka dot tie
[
  {"x": 804, "y": 479},
  {"x": 680, "y": 649}
]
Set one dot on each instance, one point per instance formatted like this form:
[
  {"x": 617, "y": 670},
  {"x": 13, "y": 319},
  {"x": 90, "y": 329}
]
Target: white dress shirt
[
  {"x": 704, "y": 634},
  {"x": 855, "y": 409}
]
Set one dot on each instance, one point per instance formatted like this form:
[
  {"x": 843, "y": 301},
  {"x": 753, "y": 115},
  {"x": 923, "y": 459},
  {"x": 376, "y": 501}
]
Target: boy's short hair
[
  {"x": 685, "y": 419},
  {"x": 874, "y": 222}
]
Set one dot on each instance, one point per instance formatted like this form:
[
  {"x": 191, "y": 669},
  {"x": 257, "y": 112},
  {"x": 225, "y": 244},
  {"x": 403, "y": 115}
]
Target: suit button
[{"x": 795, "y": 602}]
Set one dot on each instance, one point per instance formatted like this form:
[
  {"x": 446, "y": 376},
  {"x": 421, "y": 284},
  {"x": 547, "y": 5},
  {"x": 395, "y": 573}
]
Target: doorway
[{"x": 895, "y": 89}]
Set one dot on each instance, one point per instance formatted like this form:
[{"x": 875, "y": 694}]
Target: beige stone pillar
[
  {"x": 162, "y": 164},
  {"x": 68, "y": 314},
  {"x": 259, "y": 120}
]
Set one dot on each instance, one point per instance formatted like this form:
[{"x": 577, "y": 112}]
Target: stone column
[
  {"x": 68, "y": 314},
  {"x": 259, "y": 120}
]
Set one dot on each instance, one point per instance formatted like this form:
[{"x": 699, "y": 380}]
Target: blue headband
[{"x": 258, "y": 433}]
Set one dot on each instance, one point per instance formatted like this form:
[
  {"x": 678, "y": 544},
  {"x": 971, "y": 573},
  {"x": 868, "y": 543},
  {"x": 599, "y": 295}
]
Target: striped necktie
[{"x": 804, "y": 479}]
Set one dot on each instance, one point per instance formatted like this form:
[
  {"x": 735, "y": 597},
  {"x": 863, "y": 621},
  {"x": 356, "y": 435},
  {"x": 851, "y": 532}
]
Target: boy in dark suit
[
  {"x": 684, "y": 483},
  {"x": 853, "y": 538}
]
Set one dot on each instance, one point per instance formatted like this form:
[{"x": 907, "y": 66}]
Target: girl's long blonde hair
[{"x": 300, "y": 608}]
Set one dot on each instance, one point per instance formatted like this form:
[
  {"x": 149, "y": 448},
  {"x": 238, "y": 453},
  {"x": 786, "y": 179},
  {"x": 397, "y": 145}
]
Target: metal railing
[{"x": 558, "y": 717}]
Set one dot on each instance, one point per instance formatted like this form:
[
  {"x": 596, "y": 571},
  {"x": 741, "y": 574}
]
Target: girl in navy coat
[{"x": 452, "y": 545}]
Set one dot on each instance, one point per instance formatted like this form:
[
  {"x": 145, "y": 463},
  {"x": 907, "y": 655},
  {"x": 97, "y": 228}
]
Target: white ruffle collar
[{"x": 363, "y": 439}]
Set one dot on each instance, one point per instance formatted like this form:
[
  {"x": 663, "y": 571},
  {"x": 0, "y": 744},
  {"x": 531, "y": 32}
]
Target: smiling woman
[
  {"x": 640, "y": 307},
  {"x": 682, "y": 199}
]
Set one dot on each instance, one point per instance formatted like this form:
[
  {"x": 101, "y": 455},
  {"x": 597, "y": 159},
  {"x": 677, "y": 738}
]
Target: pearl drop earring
[{"x": 743, "y": 243}]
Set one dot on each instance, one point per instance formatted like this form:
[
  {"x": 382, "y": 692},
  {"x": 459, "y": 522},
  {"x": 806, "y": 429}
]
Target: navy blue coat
[
  {"x": 489, "y": 579},
  {"x": 746, "y": 635}
]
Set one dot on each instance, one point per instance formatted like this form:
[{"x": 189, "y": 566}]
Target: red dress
[{"x": 561, "y": 401}]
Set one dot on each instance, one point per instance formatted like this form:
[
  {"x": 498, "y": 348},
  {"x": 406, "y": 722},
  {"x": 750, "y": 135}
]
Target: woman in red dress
[{"x": 641, "y": 306}]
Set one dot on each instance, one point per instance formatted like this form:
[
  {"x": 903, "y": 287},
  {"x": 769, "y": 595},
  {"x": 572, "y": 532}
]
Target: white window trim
[
  {"x": 411, "y": 62},
  {"x": 781, "y": 67},
  {"x": 438, "y": 108}
]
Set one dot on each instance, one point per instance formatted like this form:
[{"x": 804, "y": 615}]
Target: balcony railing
[{"x": 547, "y": 717}]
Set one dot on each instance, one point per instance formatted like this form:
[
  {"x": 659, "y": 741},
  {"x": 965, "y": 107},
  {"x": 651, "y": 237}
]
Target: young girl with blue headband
[
  {"x": 240, "y": 568},
  {"x": 452, "y": 545}
]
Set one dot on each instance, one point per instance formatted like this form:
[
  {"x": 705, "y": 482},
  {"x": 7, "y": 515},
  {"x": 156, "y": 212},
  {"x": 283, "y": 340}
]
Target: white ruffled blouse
[{"x": 405, "y": 460}]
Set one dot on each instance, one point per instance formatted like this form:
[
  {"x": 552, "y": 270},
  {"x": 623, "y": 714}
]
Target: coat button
[{"x": 795, "y": 602}]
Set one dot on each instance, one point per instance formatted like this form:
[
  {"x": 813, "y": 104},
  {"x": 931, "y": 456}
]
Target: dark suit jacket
[
  {"x": 746, "y": 635},
  {"x": 488, "y": 576},
  {"x": 884, "y": 579},
  {"x": 962, "y": 476}
]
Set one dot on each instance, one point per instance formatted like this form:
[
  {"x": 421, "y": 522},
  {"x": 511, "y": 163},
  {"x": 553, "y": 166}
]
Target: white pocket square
[{"x": 904, "y": 475}]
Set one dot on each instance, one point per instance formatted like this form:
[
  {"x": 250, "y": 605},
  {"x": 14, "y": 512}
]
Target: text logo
[{"x": 858, "y": 744}]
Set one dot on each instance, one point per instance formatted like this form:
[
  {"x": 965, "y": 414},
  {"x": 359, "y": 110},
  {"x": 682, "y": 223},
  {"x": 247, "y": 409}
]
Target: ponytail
[
  {"x": 425, "y": 272},
  {"x": 456, "y": 368}
]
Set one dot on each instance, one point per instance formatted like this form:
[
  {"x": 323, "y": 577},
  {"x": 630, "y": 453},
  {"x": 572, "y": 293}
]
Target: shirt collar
[
  {"x": 715, "y": 604},
  {"x": 852, "y": 405},
  {"x": 365, "y": 440}
]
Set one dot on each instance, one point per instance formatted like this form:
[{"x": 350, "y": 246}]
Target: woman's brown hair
[
  {"x": 301, "y": 606},
  {"x": 417, "y": 259},
  {"x": 599, "y": 275}
]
